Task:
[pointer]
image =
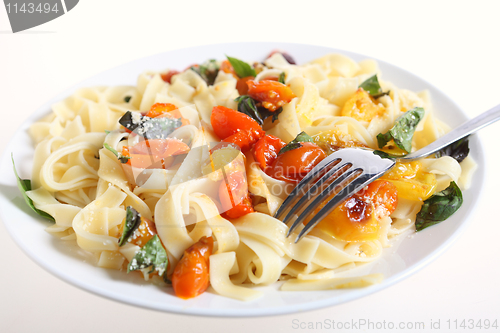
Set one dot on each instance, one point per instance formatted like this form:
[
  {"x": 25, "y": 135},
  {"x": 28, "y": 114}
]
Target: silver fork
[{"x": 346, "y": 171}]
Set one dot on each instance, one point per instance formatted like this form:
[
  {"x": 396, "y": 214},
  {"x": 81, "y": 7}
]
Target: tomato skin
[
  {"x": 271, "y": 93},
  {"x": 143, "y": 234},
  {"x": 149, "y": 152},
  {"x": 358, "y": 218},
  {"x": 191, "y": 274},
  {"x": 166, "y": 110},
  {"x": 167, "y": 77},
  {"x": 245, "y": 139},
  {"x": 384, "y": 196},
  {"x": 266, "y": 150},
  {"x": 226, "y": 122},
  {"x": 235, "y": 127},
  {"x": 159, "y": 109},
  {"x": 226, "y": 67},
  {"x": 242, "y": 86},
  {"x": 294, "y": 164},
  {"x": 233, "y": 196}
]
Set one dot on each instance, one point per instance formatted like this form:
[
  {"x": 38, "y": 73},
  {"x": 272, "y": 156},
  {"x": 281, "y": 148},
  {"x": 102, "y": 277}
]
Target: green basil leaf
[
  {"x": 132, "y": 222},
  {"x": 123, "y": 159},
  {"x": 281, "y": 79},
  {"x": 296, "y": 143},
  {"x": 459, "y": 150},
  {"x": 439, "y": 207},
  {"x": 25, "y": 185},
  {"x": 208, "y": 71},
  {"x": 403, "y": 129},
  {"x": 241, "y": 68},
  {"x": 153, "y": 255},
  {"x": 372, "y": 86},
  {"x": 126, "y": 99},
  {"x": 248, "y": 106},
  {"x": 149, "y": 128}
]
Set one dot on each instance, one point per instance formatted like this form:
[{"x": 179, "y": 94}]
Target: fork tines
[{"x": 333, "y": 180}]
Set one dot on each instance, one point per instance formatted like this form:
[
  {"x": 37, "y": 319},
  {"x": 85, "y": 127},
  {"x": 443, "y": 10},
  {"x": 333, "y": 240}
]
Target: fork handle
[{"x": 471, "y": 126}]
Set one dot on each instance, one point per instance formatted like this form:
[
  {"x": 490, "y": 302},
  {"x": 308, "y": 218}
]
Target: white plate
[{"x": 66, "y": 260}]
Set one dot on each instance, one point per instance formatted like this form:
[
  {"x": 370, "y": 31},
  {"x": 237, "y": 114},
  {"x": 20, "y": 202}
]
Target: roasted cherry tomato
[
  {"x": 167, "y": 77},
  {"x": 143, "y": 234},
  {"x": 233, "y": 195},
  {"x": 245, "y": 139},
  {"x": 147, "y": 153},
  {"x": 358, "y": 218},
  {"x": 384, "y": 196},
  {"x": 271, "y": 93},
  {"x": 235, "y": 127},
  {"x": 191, "y": 274},
  {"x": 242, "y": 86},
  {"x": 226, "y": 122},
  {"x": 160, "y": 110},
  {"x": 226, "y": 67},
  {"x": 266, "y": 150},
  {"x": 294, "y": 164}
]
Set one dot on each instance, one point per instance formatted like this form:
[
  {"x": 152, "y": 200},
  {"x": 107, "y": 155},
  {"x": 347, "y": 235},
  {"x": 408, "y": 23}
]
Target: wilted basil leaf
[
  {"x": 132, "y": 222},
  {"x": 248, "y": 106},
  {"x": 296, "y": 143},
  {"x": 150, "y": 255},
  {"x": 208, "y": 71},
  {"x": 382, "y": 154},
  {"x": 241, "y": 68},
  {"x": 439, "y": 207},
  {"x": 149, "y": 128},
  {"x": 372, "y": 86},
  {"x": 459, "y": 150},
  {"x": 25, "y": 185},
  {"x": 403, "y": 129},
  {"x": 123, "y": 159}
]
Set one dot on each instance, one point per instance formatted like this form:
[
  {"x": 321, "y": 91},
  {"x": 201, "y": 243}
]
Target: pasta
[{"x": 147, "y": 177}]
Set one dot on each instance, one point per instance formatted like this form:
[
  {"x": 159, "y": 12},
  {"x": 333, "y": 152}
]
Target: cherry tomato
[
  {"x": 266, "y": 150},
  {"x": 294, "y": 164},
  {"x": 167, "y": 110},
  {"x": 159, "y": 109},
  {"x": 191, "y": 274},
  {"x": 167, "y": 77},
  {"x": 352, "y": 221},
  {"x": 271, "y": 93},
  {"x": 233, "y": 195},
  {"x": 358, "y": 218},
  {"x": 242, "y": 86},
  {"x": 245, "y": 139},
  {"x": 227, "y": 122},
  {"x": 143, "y": 234},
  {"x": 384, "y": 196},
  {"x": 226, "y": 67},
  {"x": 149, "y": 152}
]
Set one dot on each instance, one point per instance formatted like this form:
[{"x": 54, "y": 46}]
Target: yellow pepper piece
[
  {"x": 411, "y": 181},
  {"x": 361, "y": 106},
  {"x": 335, "y": 139}
]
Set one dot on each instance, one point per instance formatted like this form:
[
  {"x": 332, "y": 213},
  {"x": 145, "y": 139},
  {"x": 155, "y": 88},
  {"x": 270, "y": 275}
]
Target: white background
[{"x": 452, "y": 44}]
